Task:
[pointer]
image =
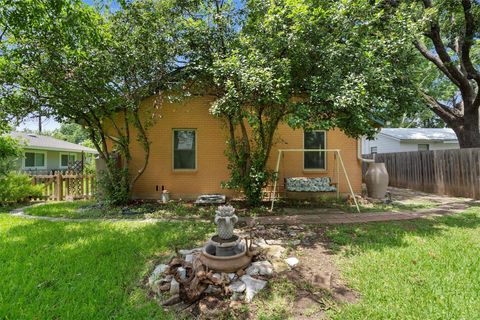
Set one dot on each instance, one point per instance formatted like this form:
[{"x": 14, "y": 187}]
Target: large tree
[
  {"x": 445, "y": 34},
  {"x": 92, "y": 68},
  {"x": 306, "y": 63}
]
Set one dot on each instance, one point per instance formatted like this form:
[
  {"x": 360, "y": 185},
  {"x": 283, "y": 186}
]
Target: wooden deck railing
[{"x": 69, "y": 186}]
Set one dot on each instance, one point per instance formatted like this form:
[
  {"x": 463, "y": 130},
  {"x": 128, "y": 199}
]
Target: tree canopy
[{"x": 311, "y": 64}]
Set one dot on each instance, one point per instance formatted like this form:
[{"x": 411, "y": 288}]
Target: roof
[
  {"x": 423, "y": 134},
  {"x": 36, "y": 141}
]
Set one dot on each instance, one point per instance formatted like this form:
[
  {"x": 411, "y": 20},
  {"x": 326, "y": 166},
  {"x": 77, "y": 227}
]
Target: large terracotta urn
[{"x": 376, "y": 180}]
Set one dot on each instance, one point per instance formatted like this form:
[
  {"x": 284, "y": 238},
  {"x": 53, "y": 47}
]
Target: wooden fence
[
  {"x": 69, "y": 186},
  {"x": 449, "y": 172}
]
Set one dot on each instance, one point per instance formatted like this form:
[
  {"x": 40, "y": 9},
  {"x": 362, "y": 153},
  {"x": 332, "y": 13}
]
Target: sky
[{"x": 51, "y": 124}]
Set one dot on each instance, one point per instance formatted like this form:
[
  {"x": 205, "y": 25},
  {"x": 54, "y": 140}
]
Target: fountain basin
[{"x": 231, "y": 263}]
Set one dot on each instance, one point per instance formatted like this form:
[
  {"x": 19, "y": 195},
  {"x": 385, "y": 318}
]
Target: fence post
[{"x": 59, "y": 186}]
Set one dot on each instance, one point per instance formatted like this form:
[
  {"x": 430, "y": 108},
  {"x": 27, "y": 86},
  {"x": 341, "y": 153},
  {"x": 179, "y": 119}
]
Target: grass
[
  {"x": 422, "y": 269},
  {"x": 145, "y": 210},
  {"x": 88, "y": 209},
  {"x": 89, "y": 270}
]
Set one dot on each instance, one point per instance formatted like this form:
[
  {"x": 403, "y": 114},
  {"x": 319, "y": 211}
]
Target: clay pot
[{"x": 376, "y": 180}]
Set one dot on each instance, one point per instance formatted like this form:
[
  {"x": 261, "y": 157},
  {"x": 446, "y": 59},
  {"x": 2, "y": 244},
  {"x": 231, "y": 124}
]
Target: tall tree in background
[{"x": 446, "y": 33}]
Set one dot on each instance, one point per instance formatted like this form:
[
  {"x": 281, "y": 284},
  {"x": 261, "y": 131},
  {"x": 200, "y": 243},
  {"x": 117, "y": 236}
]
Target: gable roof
[
  {"x": 420, "y": 134},
  {"x": 36, "y": 141}
]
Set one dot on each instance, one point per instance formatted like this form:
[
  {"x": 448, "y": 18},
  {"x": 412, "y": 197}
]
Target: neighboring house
[
  {"x": 187, "y": 153},
  {"x": 410, "y": 139},
  {"x": 43, "y": 154}
]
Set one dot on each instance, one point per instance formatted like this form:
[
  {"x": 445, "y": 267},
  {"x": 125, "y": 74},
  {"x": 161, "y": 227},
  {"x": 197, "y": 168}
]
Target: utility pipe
[{"x": 359, "y": 152}]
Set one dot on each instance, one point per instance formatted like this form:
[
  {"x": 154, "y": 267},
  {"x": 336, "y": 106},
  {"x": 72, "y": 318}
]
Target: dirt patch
[{"x": 317, "y": 280}]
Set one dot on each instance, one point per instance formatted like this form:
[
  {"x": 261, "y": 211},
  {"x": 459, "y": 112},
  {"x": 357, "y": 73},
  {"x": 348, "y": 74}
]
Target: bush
[
  {"x": 10, "y": 151},
  {"x": 18, "y": 187},
  {"x": 113, "y": 188}
]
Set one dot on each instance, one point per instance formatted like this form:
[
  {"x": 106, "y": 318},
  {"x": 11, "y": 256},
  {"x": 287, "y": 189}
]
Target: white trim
[
  {"x": 66, "y": 154},
  {"x": 324, "y": 147},
  {"x": 35, "y": 167},
  {"x": 173, "y": 150},
  {"x": 30, "y": 147}
]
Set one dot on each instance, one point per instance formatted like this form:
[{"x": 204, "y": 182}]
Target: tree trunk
[{"x": 468, "y": 132}]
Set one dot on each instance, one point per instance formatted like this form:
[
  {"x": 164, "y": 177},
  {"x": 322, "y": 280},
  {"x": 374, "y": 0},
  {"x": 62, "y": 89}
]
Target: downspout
[{"x": 359, "y": 152}]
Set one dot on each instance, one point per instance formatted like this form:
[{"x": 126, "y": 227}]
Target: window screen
[
  {"x": 67, "y": 159},
  {"x": 184, "y": 148},
  {"x": 423, "y": 147},
  {"x": 33, "y": 159},
  {"x": 314, "y": 159}
]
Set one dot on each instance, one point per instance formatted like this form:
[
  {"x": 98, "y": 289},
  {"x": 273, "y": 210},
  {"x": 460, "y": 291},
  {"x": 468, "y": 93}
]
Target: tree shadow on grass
[
  {"x": 381, "y": 235},
  {"x": 84, "y": 270}
]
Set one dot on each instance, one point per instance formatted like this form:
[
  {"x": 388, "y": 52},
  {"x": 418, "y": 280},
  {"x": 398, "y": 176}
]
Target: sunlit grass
[
  {"x": 422, "y": 269},
  {"x": 84, "y": 270}
]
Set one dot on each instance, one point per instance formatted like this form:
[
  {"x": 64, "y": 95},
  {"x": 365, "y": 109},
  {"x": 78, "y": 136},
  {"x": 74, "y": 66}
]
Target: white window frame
[
  {"x": 173, "y": 150},
  {"x": 66, "y": 154},
  {"x": 423, "y": 144},
  {"x": 374, "y": 152},
  {"x": 303, "y": 153},
  {"x": 44, "y": 167}
]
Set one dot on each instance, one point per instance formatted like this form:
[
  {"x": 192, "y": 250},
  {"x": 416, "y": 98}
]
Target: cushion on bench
[{"x": 309, "y": 184}]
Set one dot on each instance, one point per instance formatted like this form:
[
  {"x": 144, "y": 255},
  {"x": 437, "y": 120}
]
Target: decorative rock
[
  {"x": 174, "y": 287},
  {"x": 275, "y": 251},
  {"x": 296, "y": 242},
  {"x": 217, "y": 276},
  {"x": 161, "y": 268},
  {"x": 237, "y": 296},
  {"x": 231, "y": 276},
  {"x": 182, "y": 273},
  {"x": 237, "y": 286},
  {"x": 263, "y": 268},
  {"x": 189, "y": 258},
  {"x": 279, "y": 265},
  {"x": 211, "y": 289},
  {"x": 292, "y": 262},
  {"x": 253, "y": 286}
]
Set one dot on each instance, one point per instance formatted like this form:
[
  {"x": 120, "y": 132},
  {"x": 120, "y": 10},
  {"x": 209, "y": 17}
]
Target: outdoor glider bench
[{"x": 302, "y": 184}]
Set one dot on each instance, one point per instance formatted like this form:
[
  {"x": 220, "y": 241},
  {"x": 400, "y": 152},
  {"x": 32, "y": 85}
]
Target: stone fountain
[{"x": 225, "y": 251}]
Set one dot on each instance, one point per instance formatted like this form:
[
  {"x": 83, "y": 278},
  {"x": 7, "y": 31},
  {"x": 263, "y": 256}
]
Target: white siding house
[{"x": 410, "y": 139}]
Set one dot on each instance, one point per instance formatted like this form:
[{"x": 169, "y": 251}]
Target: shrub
[
  {"x": 18, "y": 187},
  {"x": 112, "y": 187},
  {"x": 10, "y": 151}
]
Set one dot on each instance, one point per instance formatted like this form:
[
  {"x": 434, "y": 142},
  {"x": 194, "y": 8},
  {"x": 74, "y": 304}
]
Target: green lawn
[
  {"x": 88, "y": 209},
  {"x": 422, "y": 269},
  {"x": 84, "y": 270}
]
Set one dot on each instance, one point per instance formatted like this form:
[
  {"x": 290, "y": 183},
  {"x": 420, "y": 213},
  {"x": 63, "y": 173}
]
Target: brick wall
[{"x": 211, "y": 160}]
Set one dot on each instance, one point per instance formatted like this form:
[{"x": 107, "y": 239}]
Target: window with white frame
[
  {"x": 314, "y": 160},
  {"x": 184, "y": 149},
  {"x": 373, "y": 150},
  {"x": 35, "y": 160},
  {"x": 66, "y": 160},
  {"x": 423, "y": 147}
]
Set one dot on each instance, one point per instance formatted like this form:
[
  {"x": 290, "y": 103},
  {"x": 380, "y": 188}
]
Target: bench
[{"x": 303, "y": 184}]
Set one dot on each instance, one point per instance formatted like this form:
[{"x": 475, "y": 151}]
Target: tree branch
[{"x": 467, "y": 43}]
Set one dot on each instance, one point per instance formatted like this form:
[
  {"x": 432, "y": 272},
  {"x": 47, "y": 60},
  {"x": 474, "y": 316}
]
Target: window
[
  {"x": 66, "y": 160},
  {"x": 35, "y": 160},
  {"x": 184, "y": 149},
  {"x": 423, "y": 147},
  {"x": 314, "y": 160},
  {"x": 373, "y": 150}
]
